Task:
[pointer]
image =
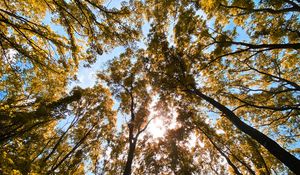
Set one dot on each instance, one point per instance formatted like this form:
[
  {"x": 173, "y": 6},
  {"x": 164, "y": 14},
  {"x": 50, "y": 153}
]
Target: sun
[{"x": 158, "y": 127}]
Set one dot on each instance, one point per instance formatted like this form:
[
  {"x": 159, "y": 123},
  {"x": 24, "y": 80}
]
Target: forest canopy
[{"x": 199, "y": 87}]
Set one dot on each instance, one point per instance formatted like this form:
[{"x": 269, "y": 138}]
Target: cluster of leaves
[
  {"x": 90, "y": 122},
  {"x": 42, "y": 42}
]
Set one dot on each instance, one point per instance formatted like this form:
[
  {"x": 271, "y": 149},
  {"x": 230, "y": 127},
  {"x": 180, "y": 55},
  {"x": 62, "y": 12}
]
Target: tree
[
  {"x": 127, "y": 82},
  {"x": 56, "y": 149},
  {"x": 245, "y": 77},
  {"x": 42, "y": 44},
  {"x": 36, "y": 56},
  {"x": 39, "y": 60}
]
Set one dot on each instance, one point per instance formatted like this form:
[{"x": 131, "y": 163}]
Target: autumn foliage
[{"x": 219, "y": 80}]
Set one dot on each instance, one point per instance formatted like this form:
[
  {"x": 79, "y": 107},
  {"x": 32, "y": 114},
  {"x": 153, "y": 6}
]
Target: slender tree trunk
[
  {"x": 274, "y": 148},
  {"x": 131, "y": 137},
  {"x": 236, "y": 170},
  {"x": 127, "y": 170},
  {"x": 72, "y": 151},
  {"x": 243, "y": 163}
]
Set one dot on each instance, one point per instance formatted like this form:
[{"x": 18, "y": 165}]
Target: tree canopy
[{"x": 218, "y": 80}]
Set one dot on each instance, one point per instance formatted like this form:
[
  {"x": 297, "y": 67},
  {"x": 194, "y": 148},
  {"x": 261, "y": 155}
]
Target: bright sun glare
[{"x": 158, "y": 127}]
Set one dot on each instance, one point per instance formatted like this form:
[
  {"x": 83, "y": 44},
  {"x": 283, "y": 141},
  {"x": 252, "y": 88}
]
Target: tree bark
[
  {"x": 274, "y": 148},
  {"x": 132, "y": 145}
]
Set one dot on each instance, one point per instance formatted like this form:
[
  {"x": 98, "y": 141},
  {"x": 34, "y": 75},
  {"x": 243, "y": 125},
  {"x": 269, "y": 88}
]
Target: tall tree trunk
[
  {"x": 274, "y": 148},
  {"x": 132, "y": 145}
]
